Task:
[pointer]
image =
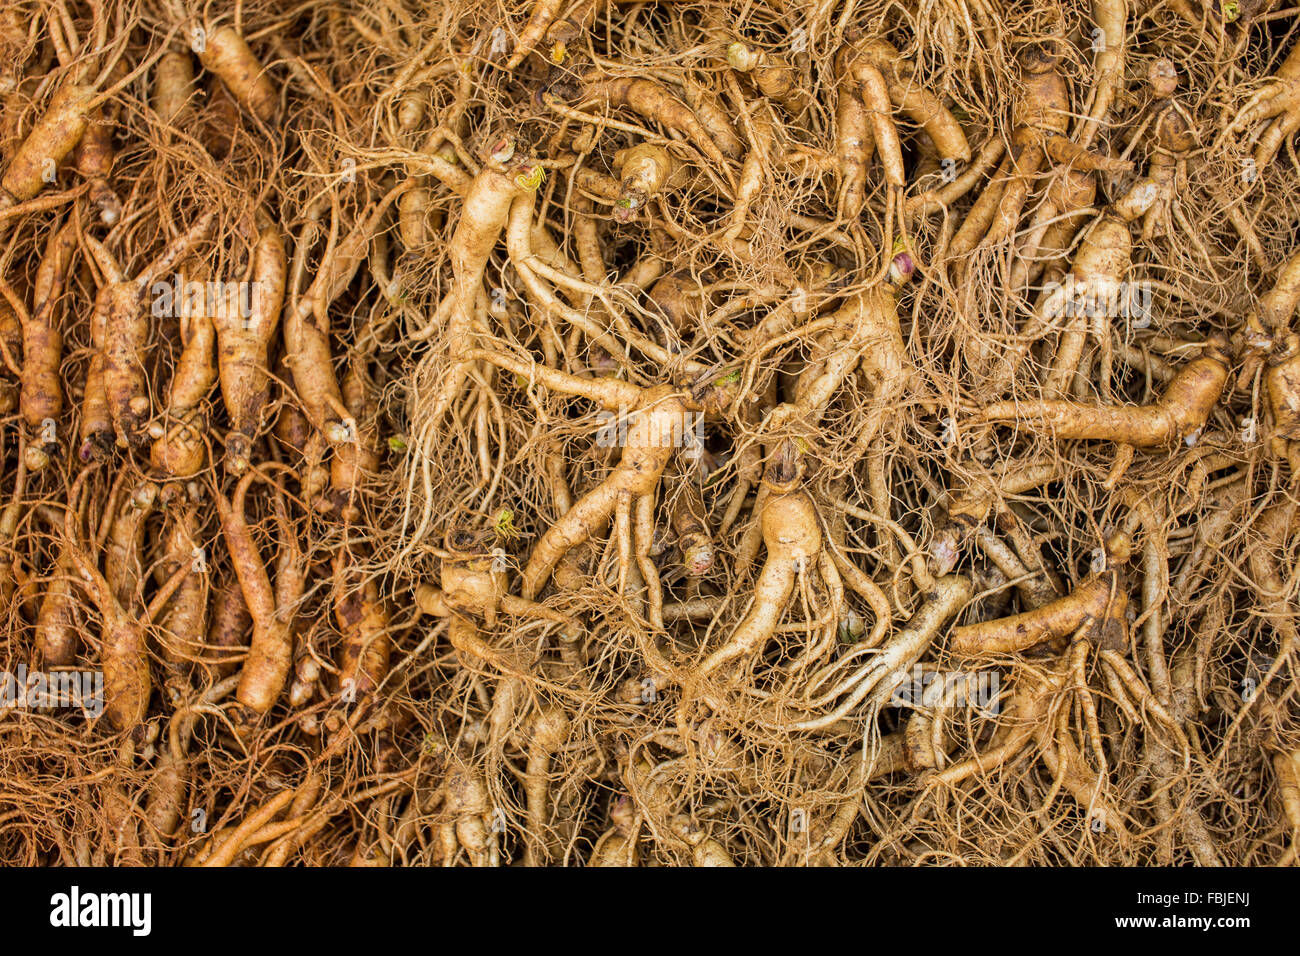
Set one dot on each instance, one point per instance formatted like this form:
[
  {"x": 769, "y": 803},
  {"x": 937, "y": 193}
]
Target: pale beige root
[
  {"x": 229, "y": 629},
  {"x": 1095, "y": 603},
  {"x": 1040, "y": 118},
  {"x": 173, "y": 86},
  {"x": 1282, "y": 381},
  {"x": 854, "y": 144},
  {"x": 618, "y": 845},
  {"x": 973, "y": 503},
  {"x": 1096, "y": 284},
  {"x": 124, "y": 655},
  {"x": 41, "y": 395},
  {"x": 472, "y": 826},
  {"x": 96, "y": 427},
  {"x": 242, "y": 343},
  {"x": 364, "y": 622},
  {"x": 1174, "y": 134},
  {"x": 355, "y": 463},
  {"x": 1274, "y": 312},
  {"x": 792, "y": 537},
  {"x": 616, "y": 849},
  {"x": 1035, "y": 714},
  {"x": 705, "y": 851},
  {"x": 168, "y": 786},
  {"x": 653, "y": 102},
  {"x": 656, "y": 419},
  {"x": 126, "y": 340},
  {"x": 871, "y": 684},
  {"x": 920, "y": 105},
  {"x": 60, "y": 619},
  {"x": 310, "y": 450},
  {"x": 1286, "y": 770},
  {"x": 644, "y": 458},
  {"x": 1028, "y": 710},
  {"x": 93, "y": 159},
  {"x": 775, "y": 77},
  {"x": 54, "y": 136},
  {"x": 1040, "y": 111},
  {"x": 270, "y": 652},
  {"x": 170, "y": 782},
  {"x": 120, "y": 827},
  {"x": 886, "y": 365},
  {"x": 539, "y": 22},
  {"x": 690, "y": 524},
  {"x": 223, "y": 847},
  {"x": 881, "y": 758},
  {"x": 1069, "y": 198},
  {"x": 705, "y": 104},
  {"x": 873, "y": 80},
  {"x": 180, "y": 439},
  {"x": 1271, "y": 342},
  {"x": 936, "y": 200},
  {"x": 979, "y": 220},
  {"x": 645, "y": 171},
  {"x": 1096, "y": 276},
  {"x": 1090, "y": 790},
  {"x": 864, "y": 336},
  {"x": 709, "y": 852},
  {"x": 126, "y": 337},
  {"x": 1109, "y": 38},
  {"x": 1274, "y": 527},
  {"x": 1182, "y": 410},
  {"x": 415, "y": 220},
  {"x": 183, "y": 620},
  {"x": 226, "y": 53},
  {"x": 307, "y": 327},
  {"x": 874, "y": 92},
  {"x": 1034, "y": 587},
  {"x": 1277, "y": 105},
  {"x": 124, "y": 554},
  {"x": 753, "y": 175},
  {"x": 483, "y": 217},
  {"x": 548, "y": 732},
  {"x": 474, "y": 582}
]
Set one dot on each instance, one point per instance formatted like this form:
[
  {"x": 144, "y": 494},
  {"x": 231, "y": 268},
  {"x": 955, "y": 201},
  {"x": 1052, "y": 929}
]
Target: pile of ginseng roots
[{"x": 656, "y": 433}]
